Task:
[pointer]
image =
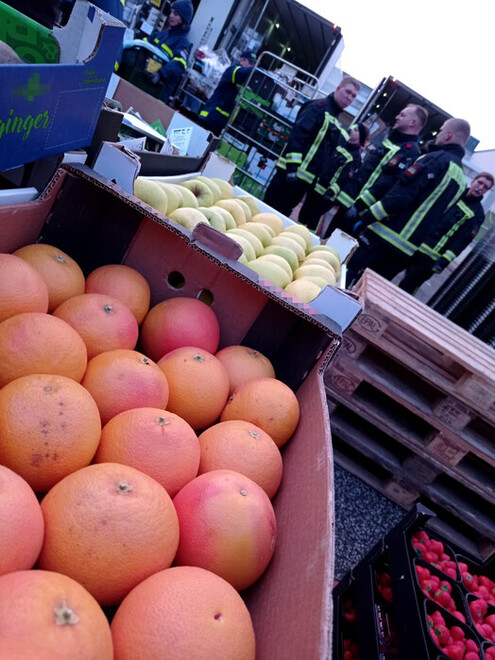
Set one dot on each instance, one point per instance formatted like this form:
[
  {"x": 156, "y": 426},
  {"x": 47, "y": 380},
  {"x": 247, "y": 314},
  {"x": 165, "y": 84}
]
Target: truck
[
  {"x": 285, "y": 28},
  {"x": 385, "y": 102}
]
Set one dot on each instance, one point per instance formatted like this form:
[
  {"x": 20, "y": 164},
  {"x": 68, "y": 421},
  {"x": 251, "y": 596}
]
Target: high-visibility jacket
[
  {"x": 383, "y": 166},
  {"x": 219, "y": 106},
  {"x": 428, "y": 188},
  {"x": 175, "y": 46},
  {"x": 340, "y": 172},
  {"x": 313, "y": 139},
  {"x": 455, "y": 229}
]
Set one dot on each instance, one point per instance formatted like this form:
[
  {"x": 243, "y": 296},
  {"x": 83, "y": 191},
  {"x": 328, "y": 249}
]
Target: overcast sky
[{"x": 443, "y": 49}]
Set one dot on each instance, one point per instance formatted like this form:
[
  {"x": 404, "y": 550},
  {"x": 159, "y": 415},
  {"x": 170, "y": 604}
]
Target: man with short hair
[
  {"x": 398, "y": 224},
  {"x": 314, "y": 137},
  {"x": 450, "y": 235},
  {"x": 383, "y": 165},
  {"x": 217, "y": 110}
]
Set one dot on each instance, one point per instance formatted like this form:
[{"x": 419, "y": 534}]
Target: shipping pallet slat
[
  {"x": 425, "y": 455},
  {"x": 359, "y": 451},
  {"x": 446, "y": 417},
  {"x": 417, "y": 336}
]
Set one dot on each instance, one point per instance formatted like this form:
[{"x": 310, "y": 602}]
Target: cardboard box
[
  {"x": 194, "y": 143},
  {"x": 97, "y": 223},
  {"x": 50, "y": 108}
]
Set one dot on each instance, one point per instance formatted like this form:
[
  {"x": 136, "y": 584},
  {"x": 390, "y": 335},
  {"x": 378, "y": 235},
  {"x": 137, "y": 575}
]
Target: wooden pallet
[
  {"x": 406, "y": 409},
  {"x": 412, "y": 407},
  {"x": 444, "y": 354},
  {"x": 401, "y": 476}
]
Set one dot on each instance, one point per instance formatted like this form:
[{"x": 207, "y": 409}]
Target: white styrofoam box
[
  {"x": 176, "y": 178},
  {"x": 17, "y": 195},
  {"x": 345, "y": 244},
  {"x": 218, "y": 166}
]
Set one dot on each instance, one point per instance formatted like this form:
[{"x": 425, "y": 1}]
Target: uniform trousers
[
  {"x": 419, "y": 270},
  {"x": 379, "y": 255}
]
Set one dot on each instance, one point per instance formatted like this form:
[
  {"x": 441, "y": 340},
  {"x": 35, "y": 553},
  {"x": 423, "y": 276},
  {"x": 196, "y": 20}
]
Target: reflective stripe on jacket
[
  {"x": 383, "y": 166},
  {"x": 315, "y": 134},
  {"x": 428, "y": 188},
  {"x": 223, "y": 99},
  {"x": 455, "y": 229}
]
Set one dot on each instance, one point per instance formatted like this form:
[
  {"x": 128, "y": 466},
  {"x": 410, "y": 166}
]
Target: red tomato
[
  {"x": 437, "y": 617},
  {"x": 443, "y": 634},
  {"x": 388, "y": 595},
  {"x": 478, "y": 608},
  {"x": 486, "y": 630},
  {"x": 454, "y": 652},
  {"x": 457, "y": 632},
  {"x": 471, "y": 645}
]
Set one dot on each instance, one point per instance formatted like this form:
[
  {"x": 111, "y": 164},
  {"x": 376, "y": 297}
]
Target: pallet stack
[{"x": 412, "y": 404}]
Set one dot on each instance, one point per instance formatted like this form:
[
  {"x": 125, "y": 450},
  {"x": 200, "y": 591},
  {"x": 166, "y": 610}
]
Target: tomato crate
[
  {"x": 97, "y": 223},
  {"x": 434, "y": 628},
  {"x": 455, "y": 591},
  {"x": 345, "y": 622},
  {"x": 377, "y": 621},
  {"x": 486, "y": 617},
  {"x": 419, "y": 549}
]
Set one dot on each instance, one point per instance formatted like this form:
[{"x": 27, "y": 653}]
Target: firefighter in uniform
[
  {"x": 450, "y": 235},
  {"x": 398, "y": 224},
  {"x": 174, "y": 44},
  {"x": 383, "y": 165},
  {"x": 219, "y": 106},
  {"x": 314, "y": 137},
  {"x": 338, "y": 179}
]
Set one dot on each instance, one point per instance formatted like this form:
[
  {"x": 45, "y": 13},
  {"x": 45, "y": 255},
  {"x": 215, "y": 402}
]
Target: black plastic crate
[
  {"x": 430, "y": 629},
  {"x": 456, "y": 592},
  {"x": 448, "y": 550},
  {"x": 345, "y": 619},
  {"x": 489, "y": 613}
]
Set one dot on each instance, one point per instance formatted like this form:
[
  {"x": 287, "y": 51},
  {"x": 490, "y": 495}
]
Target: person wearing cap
[
  {"x": 175, "y": 46},
  {"x": 384, "y": 164},
  {"x": 217, "y": 110},
  {"x": 336, "y": 179}
]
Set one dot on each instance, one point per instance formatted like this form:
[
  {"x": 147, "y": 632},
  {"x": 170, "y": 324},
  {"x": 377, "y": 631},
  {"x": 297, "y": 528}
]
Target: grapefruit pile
[{"x": 137, "y": 467}]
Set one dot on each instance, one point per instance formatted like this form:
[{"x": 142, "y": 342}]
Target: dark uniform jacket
[
  {"x": 314, "y": 136},
  {"x": 219, "y": 106},
  {"x": 175, "y": 47},
  {"x": 455, "y": 229},
  {"x": 340, "y": 173},
  {"x": 383, "y": 166},
  {"x": 428, "y": 188}
]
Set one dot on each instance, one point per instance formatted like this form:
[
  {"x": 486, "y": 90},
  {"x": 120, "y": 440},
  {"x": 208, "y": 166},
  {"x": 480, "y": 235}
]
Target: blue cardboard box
[{"x": 47, "y": 107}]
